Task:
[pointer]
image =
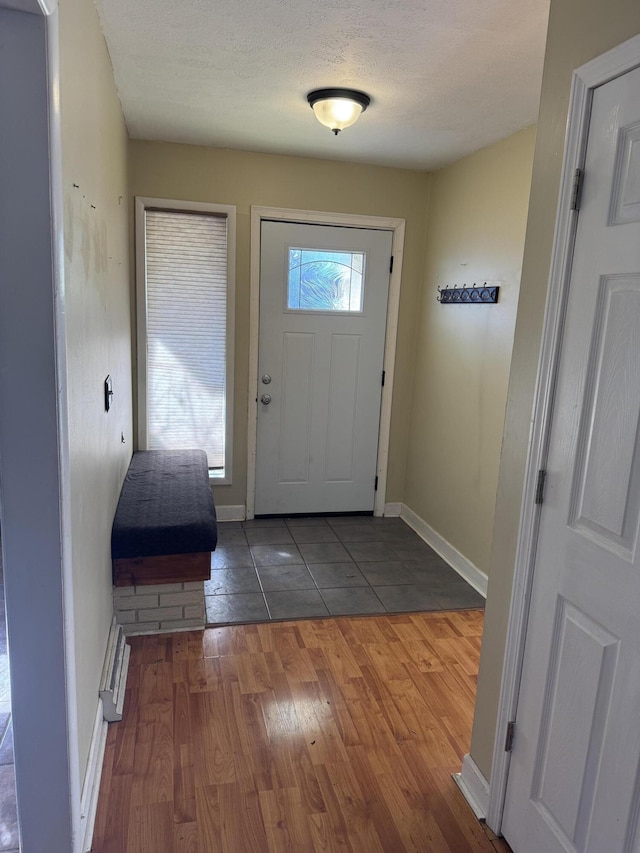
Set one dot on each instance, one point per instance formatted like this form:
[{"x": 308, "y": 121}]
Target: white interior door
[
  {"x": 323, "y": 309},
  {"x": 574, "y": 776}
]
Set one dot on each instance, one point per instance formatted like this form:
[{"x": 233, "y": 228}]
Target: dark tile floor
[{"x": 278, "y": 568}]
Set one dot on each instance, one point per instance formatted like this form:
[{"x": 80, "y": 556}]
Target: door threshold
[{"x": 313, "y": 514}]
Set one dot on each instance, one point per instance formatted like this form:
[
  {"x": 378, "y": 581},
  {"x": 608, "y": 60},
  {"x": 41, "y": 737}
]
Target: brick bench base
[{"x": 158, "y": 608}]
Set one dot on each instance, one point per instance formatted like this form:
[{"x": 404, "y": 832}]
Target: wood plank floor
[{"x": 325, "y": 735}]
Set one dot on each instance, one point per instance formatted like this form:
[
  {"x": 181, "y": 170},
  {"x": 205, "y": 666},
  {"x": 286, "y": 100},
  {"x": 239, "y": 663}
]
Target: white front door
[
  {"x": 323, "y": 309},
  {"x": 574, "y": 776}
]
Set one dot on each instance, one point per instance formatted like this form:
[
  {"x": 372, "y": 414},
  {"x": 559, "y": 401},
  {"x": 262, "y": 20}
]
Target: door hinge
[
  {"x": 375, "y": 485},
  {"x": 542, "y": 476},
  {"x": 511, "y": 731},
  {"x": 384, "y": 372},
  {"x": 576, "y": 189},
  {"x": 391, "y": 265}
]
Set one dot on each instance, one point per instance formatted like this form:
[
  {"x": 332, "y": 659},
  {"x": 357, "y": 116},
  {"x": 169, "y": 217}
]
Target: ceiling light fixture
[{"x": 338, "y": 108}]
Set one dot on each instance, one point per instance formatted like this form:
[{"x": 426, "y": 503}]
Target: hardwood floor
[{"x": 325, "y": 735}]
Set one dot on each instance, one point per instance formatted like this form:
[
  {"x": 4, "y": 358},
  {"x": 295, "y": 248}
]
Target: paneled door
[
  {"x": 323, "y": 310},
  {"x": 574, "y": 776}
]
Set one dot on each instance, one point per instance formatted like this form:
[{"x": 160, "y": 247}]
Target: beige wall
[
  {"x": 475, "y": 233},
  {"x": 579, "y": 30},
  {"x": 243, "y": 179},
  {"x": 94, "y": 150}
]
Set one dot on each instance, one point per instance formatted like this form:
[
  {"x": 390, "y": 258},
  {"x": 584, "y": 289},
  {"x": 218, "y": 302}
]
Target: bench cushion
[{"x": 165, "y": 506}]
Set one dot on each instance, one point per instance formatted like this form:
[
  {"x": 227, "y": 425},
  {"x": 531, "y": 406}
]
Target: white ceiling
[{"x": 446, "y": 77}]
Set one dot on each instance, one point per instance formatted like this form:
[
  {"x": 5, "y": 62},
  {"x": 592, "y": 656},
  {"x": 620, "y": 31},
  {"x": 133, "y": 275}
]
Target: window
[
  {"x": 321, "y": 280},
  {"x": 185, "y": 275}
]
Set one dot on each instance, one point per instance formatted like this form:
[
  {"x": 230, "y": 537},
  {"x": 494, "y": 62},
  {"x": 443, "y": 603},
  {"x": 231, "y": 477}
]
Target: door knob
[
  {"x": 266, "y": 379},
  {"x": 265, "y": 399}
]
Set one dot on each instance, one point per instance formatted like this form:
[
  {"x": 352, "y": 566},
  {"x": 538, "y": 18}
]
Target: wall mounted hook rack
[{"x": 475, "y": 295}]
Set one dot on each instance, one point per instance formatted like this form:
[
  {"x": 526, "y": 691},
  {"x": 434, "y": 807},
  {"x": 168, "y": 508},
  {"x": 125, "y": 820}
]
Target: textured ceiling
[{"x": 446, "y": 77}]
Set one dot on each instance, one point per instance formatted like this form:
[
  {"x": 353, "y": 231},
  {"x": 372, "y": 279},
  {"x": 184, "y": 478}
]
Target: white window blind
[{"x": 186, "y": 323}]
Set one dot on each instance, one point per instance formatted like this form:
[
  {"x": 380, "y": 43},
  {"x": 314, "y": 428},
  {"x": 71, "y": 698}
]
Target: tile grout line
[{"x": 264, "y": 597}]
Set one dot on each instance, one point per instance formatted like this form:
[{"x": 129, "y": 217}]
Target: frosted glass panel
[{"x": 325, "y": 281}]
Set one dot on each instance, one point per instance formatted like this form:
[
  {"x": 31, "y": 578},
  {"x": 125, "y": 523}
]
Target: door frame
[
  {"x": 52, "y": 805},
  {"x": 615, "y": 62},
  {"x": 314, "y": 217}
]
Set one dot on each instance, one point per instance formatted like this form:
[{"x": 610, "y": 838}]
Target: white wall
[
  {"x": 96, "y": 260},
  {"x": 475, "y": 233},
  {"x": 244, "y": 179},
  {"x": 62, "y": 303}
]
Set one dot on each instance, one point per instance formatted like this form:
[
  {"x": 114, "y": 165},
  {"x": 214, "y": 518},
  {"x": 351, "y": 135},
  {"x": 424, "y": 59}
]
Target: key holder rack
[{"x": 476, "y": 295}]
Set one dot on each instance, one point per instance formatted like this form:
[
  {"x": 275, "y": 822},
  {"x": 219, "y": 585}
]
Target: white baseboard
[
  {"x": 451, "y": 555},
  {"x": 231, "y": 513},
  {"x": 474, "y": 787},
  {"x": 92, "y": 777},
  {"x": 392, "y": 510}
]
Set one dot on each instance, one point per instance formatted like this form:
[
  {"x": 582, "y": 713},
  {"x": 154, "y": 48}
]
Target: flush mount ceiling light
[{"x": 338, "y": 108}]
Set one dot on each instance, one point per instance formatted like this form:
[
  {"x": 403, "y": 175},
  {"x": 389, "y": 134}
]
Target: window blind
[{"x": 186, "y": 300}]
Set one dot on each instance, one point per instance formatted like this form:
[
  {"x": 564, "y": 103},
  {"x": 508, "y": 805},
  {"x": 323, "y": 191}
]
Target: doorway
[
  {"x": 573, "y": 778},
  {"x": 344, "y": 226},
  {"x": 323, "y": 306}
]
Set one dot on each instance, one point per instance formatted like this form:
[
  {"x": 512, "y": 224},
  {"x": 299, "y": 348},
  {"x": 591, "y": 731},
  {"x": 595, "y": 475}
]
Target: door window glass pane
[{"x": 321, "y": 280}]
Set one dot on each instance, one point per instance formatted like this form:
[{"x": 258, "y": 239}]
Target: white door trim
[
  {"x": 315, "y": 217},
  {"x": 40, "y": 627},
  {"x": 615, "y": 62}
]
